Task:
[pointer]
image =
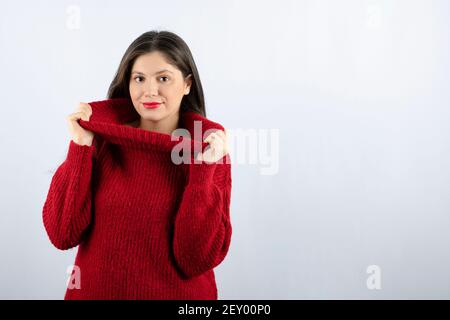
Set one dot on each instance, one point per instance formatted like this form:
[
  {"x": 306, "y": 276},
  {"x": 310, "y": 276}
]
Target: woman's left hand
[{"x": 217, "y": 148}]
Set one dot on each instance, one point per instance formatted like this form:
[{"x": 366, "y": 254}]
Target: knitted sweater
[{"x": 146, "y": 228}]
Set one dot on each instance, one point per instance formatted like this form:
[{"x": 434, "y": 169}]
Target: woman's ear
[{"x": 188, "y": 81}]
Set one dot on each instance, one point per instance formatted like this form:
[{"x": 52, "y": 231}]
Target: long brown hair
[{"x": 176, "y": 51}]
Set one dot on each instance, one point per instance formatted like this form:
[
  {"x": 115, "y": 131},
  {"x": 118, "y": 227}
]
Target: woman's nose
[{"x": 151, "y": 88}]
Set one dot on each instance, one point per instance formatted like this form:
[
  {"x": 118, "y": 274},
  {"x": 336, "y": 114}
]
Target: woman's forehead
[{"x": 152, "y": 63}]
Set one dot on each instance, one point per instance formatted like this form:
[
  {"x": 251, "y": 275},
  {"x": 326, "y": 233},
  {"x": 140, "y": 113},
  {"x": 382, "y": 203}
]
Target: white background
[{"x": 358, "y": 90}]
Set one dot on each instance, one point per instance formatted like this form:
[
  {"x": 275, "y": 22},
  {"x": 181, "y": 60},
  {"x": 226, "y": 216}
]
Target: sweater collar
[{"x": 109, "y": 117}]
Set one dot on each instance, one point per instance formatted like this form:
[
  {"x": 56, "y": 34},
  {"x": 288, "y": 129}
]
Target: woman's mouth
[{"x": 151, "y": 105}]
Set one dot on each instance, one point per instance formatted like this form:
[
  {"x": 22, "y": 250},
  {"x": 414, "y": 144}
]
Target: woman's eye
[
  {"x": 164, "y": 78},
  {"x": 138, "y": 79}
]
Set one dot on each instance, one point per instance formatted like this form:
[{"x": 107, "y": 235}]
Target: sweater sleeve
[
  {"x": 202, "y": 232},
  {"x": 67, "y": 209}
]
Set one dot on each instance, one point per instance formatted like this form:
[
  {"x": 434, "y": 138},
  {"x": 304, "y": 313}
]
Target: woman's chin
[{"x": 152, "y": 117}]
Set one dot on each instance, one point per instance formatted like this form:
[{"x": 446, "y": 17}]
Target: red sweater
[{"x": 146, "y": 228}]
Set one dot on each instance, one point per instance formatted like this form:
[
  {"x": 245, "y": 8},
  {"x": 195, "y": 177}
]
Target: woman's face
[{"x": 153, "y": 79}]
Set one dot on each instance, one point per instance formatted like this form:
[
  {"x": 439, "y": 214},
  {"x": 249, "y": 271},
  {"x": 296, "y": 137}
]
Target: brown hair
[{"x": 176, "y": 51}]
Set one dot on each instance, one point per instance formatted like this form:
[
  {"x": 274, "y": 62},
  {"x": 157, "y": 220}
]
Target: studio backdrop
[{"x": 338, "y": 114}]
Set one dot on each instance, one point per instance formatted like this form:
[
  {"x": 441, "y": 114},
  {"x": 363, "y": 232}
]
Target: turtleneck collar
[{"x": 109, "y": 118}]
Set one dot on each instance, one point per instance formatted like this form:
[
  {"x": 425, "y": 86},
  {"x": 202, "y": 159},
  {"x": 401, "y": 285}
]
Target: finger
[
  {"x": 218, "y": 148},
  {"x": 215, "y": 153},
  {"x": 84, "y": 116},
  {"x": 210, "y": 155},
  {"x": 222, "y": 135},
  {"x": 209, "y": 137},
  {"x": 73, "y": 116},
  {"x": 76, "y": 116},
  {"x": 213, "y": 136},
  {"x": 86, "y": 108},
  {"x": 215, "y": 143}
]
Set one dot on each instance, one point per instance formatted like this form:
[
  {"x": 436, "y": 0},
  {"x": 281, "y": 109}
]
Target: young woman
[{"x": 147, "y": 225}]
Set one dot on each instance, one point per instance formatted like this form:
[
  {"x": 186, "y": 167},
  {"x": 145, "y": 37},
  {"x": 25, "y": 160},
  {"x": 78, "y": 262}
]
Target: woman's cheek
[{"x": 134, "y": 92}]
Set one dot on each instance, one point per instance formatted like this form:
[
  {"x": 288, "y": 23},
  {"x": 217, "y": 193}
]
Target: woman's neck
[{"x": 167, "y": 125}]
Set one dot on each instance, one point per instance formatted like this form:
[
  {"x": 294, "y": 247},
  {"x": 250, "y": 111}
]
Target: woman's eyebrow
[{"x": 165, "y": 70}]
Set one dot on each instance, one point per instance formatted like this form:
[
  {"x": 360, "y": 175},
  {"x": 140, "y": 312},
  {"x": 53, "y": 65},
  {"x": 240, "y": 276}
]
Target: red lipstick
[{"x": 151, "y": 105}]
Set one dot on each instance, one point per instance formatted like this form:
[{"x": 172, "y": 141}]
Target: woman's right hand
[{"x": 80, "y": 135}]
